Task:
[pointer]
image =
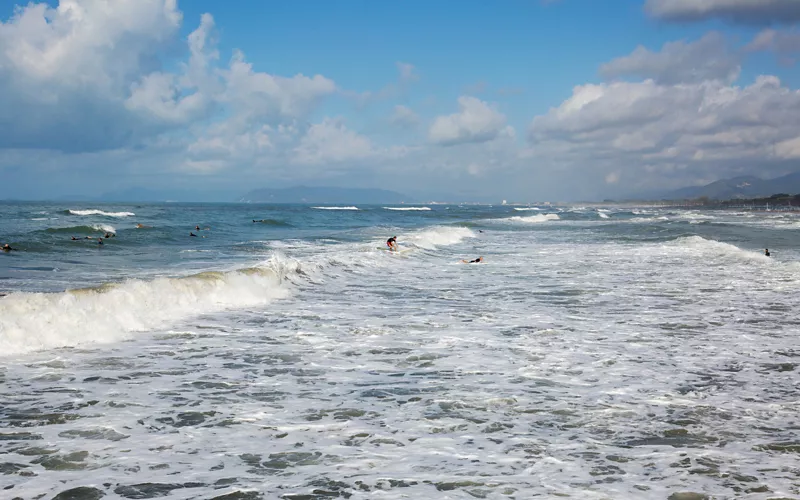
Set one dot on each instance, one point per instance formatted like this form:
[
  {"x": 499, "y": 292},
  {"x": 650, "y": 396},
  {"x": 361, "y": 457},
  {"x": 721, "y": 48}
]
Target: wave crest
[
  {"x": 112, "y": 311},
  {"x": 99, "y": 212},
  {"x": 534, "y": 219}
]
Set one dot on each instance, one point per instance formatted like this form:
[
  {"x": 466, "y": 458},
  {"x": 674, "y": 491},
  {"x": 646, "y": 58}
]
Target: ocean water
[{"x": 596, "y": 354}]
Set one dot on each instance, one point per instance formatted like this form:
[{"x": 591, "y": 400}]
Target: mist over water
[{"x": 597, "y": 353}]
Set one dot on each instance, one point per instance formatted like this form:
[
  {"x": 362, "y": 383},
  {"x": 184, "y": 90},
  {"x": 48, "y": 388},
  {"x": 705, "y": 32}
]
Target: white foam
[
  {"x": 439, "y": 236},
  {"x": 533, "y": 219},
  {"x": 32, "y": 321},
  {"x": 104, "y": 227},
  {"x": 101, "y": 212},
  {"x": 519, "y": 209},
  {"x": 706, "y": 249},
  {"x": 336, "y": 208},
  {"x": 407, "y": 208},
  {"x": 602, "y": 215}
]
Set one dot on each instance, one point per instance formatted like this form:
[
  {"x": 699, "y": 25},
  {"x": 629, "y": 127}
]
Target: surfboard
[{"x": 402, "y": 250}]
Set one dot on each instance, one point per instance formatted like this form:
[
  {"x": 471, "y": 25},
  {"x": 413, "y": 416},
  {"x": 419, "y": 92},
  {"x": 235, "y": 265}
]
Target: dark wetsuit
[{"x": 391, "y": 242}]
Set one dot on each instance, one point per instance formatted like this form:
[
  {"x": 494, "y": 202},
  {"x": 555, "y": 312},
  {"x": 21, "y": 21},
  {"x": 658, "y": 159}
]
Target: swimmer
[
  {"x": 392, "y": 243},
  {"x": 192, "y": 234},
  {"x": 476, "y": 261},
  {"x": 75, "y": 239},
  {"x": 196, "y": 228},
  {"x": 141, "y": 226},
  {"x": 766, "y": 252},
  {"x": 7, "y": 248},
  {"x": 109, "y": 235},
  {"x": 99, "y": 241}
]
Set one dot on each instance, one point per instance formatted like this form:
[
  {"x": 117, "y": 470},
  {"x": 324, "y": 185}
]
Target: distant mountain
[
  {"x": 305, "y": 194},
  {"x": 739, "y": 187}
]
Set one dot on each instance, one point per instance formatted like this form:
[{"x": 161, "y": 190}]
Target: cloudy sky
[{"x": 517, "y": 99}]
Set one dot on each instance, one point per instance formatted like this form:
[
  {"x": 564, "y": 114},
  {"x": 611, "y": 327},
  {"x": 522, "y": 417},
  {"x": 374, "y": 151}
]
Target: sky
[{"x": 524, "y": 100}]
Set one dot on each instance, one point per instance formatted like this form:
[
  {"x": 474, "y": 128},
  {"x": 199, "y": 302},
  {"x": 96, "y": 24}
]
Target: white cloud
[
  {"x": 331, "y": 142},
  {"x": 65, "y": 72},
  {"x": 700, "y": 127},
  {"x": 738, "y": 11},
  {"x": 86, "y": 76},
  {"x": 782, "y": 42},
  {"x": 407, "y": 72},
  {"x": 476, "y": 121},
  {"x": 679, "y": 62},
  {"x": 403, "y": 116},
  {"x": 263, "y": 96}
]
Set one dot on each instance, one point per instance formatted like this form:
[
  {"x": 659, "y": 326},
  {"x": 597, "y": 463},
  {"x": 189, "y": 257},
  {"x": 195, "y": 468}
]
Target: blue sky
[{"x": 525, "y": 100}]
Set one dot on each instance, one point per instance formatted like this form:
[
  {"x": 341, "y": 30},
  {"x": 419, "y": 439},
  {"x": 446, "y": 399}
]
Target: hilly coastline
[{"x": 324, "y": 195}]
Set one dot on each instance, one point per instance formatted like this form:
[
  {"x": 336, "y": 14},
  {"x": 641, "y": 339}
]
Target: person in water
[
  {"x": 192, "y": 234},
  {"x": 766, "y": 252},
  {"x": 99, "y": 241},
  {"x": 476, "y": 261},
  {"x": 7, "y": 248},
  {"x": 392, "y": 243},
  {"x": 110, "y": 235}
]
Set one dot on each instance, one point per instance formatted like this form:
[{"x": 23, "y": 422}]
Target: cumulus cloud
[
  {"x": 476, "y": 121},
  {"x": 403, "y": 116},
  {"x": 737, "y": 11},
  {"x": 86, "y": 76},
  {"x": 679, "y": 62},
  {"x": 662, "y": 128},
  {"x": 782, "y": 42},
  {"x": 66, "y": 71},
  {"x": 331, "y": 142}
]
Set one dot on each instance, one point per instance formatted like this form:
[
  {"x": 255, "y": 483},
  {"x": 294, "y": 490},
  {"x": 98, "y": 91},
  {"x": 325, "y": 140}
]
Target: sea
[{"x": 284, "y": 353}]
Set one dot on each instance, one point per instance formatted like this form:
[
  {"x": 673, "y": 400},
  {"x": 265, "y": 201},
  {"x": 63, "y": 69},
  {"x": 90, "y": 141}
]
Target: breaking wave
[
  {"x": 532, "y": 219},
  {"x": 112, "y": 311},
  {"x": 407, "y": 208},
  {"x": 99, "y": 212},
  {"x": 94, "y": 228},
  {"x": 439, "y": 236}
]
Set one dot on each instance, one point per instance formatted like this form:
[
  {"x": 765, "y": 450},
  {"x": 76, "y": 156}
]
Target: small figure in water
[
  {"x": 196, "y": 228},
  {"x": 476, "y": 261},
  {"x": 392, "y": 243},
  {"x": 766, "y": 252},
  {"x": 110, "y": 235},
  {"x": 99, "y": 241},
  {"x": 7, "y": 248},
  {"x": 192, "y": 234},
  {"x": 75, "y": 239},
  {"x": 141, "y": 226}
]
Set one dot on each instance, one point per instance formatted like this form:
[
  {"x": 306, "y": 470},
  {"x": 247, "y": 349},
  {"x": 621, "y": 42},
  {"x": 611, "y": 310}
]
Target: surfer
[
  {"x": 7, "y": 248},
  {"x": 192, "y": 234},
  {"x": 141, "y": 226},
  {"x": 110, "y": 235},
  {"x": 766, "y": 252},
  {"x": 476, "y": 261},
  {"x": 99, "y": 241},
  {"x": 392, "y": 243}
]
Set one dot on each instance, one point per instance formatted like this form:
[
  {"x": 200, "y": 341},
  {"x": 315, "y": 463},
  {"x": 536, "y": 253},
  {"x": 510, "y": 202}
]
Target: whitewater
[{"x": 281, "y": 353}]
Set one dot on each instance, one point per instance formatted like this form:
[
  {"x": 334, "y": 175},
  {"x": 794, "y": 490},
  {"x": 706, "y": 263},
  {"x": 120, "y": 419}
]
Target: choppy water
[{"x": 604, "y": 354}]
